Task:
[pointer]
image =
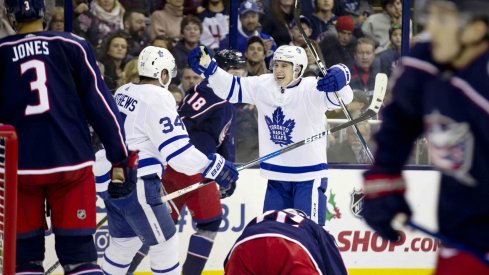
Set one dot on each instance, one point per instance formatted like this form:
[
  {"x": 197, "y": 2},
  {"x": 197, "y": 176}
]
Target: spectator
[
  {"x": 135, "y": 28},
  {"x": 168, "y": 20},
  {"x": 323, "y": 20},
  {"x": 163, "y": 41},
  {"x": 340, "y": 48},
  {"x": 364, "y": 69},
  {"x": 191, "y": 31},
  {"x": 188, "y": 79},
  {"x": 215, "y": 23},
  {"x": 113, "y": 57},
  {"x": 377, "y": 26},
  {"x": 255, "y": 57},
  {"x": 312, "y": 66},
  {"x": 350, "y": 150},
  {"x": 297, "y": 38},
  {"x": 5, "y": 28},
  {"x": 177, "y": 93},
  {"x": 145, "y": 6},
  {"x": 57, "y": 20},
  {"x": 389, "y": 57},
  {"x": 130, "y": 73},
  {"x": 359, "y": 10},
  {"x": 96, "y": 22},
  {"x": 249, "y": 15},
  {"x": 281, "y": 15}
]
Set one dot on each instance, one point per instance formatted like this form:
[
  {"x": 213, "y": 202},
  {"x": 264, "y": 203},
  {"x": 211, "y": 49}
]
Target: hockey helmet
[
  {"x": 153, "y": 60},
  {"x": 230, "y": 59},
  {"x": 293, "y": 54},
  {"x": 24, "y": 10}
]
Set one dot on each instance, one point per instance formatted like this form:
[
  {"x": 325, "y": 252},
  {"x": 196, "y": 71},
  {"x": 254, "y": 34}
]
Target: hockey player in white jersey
[
  {"x": 290, "y": 109},
  {"x": 136, "y": 214}
]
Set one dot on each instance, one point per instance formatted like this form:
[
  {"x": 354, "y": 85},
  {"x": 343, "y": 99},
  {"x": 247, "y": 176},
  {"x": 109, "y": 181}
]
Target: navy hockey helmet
[
  {"x": 24, "y": 10},
  {"x": 230, "y": 59}
]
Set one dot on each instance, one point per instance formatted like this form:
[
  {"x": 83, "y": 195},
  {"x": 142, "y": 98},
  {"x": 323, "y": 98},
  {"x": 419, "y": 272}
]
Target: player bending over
[
  {"x": 50, "y": 86},
  {"x": 290, "y": 109},
  {"x": 284, "y": 242},
  {"x": 441, "y": 90},
  {"x": 136, "y": 213}
]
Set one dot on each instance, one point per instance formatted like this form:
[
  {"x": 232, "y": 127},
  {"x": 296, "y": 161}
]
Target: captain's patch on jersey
[{"x": 280, "y": 129}]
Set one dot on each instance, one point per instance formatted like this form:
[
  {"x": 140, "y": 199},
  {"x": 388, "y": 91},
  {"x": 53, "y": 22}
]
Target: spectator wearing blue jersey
[
  {"x": 323, "y": 19},
  {"x": 249, "y": 16}
]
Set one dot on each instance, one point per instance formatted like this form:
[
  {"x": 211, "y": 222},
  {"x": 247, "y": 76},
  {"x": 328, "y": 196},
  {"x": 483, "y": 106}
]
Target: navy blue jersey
[
  {"x": 209, "y": 121},
  {"x": 50, "y": 87},
  {"x": 452, "y": 108},
  {"x": 288, "y": 224}
]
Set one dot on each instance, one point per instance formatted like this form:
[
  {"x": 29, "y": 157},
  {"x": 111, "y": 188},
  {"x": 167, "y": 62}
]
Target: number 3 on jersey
[
  {"x": 168, "y": 126},
  {"x": 38, "y": 85}
]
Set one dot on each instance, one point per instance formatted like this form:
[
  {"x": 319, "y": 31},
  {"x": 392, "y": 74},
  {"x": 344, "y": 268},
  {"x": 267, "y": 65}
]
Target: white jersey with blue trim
[
  {"x": 154, "y": 127},
  {"x": 285, "y": 116}
]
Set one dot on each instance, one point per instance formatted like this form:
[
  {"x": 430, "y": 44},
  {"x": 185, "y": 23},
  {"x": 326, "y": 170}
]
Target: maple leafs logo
[{"x": 280, "y": 130}]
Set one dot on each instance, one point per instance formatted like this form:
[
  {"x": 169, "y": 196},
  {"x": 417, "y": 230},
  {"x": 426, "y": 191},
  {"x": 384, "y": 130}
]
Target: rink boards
[{"x": 362, "y": 250}]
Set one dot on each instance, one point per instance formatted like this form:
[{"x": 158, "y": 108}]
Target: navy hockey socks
[{"x": 199, "y": 249}]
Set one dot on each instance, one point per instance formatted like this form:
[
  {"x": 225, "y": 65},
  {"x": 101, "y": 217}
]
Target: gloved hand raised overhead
[{"x": 202, "y": 62}]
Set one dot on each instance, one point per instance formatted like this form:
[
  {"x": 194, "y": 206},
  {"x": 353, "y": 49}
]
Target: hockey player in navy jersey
[
  {"x": 50, "y": 86},
  {"x": 290, "y": 109},
  {"x": 209, "y": 121},
  {"x": 441, "y": 90},
  {"x": 137, "y": 216},
  {"x": 284, "y": 242}
]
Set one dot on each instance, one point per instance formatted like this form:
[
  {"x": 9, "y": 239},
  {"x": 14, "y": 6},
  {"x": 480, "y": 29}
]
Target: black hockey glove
[
  {"x": 225, "y": 192},
  {"x": 123, "y": 176},
  {"x": 384, "y": 199}
]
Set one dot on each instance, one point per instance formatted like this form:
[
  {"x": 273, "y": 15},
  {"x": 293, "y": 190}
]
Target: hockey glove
[
  {"x": 123, "y": 176},
  {"x": 223, "y": 172},
  {"x": 201, "y": 61},
  {"x": 225, "y": 192},
  {"x": 337, "y": 77},
  {"x": 384, "y": 199}
]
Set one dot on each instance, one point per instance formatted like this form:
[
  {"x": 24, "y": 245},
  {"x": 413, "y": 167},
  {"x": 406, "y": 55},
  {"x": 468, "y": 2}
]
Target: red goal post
[{"x": 8, "y": 198}]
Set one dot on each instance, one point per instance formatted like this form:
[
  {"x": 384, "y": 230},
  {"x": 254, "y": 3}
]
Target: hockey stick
[
  {"x": 373, "y": 109},
  {"x": 401, "y": 220},
  {"x": 323, "y": 71},
  {"x": 56, "y": 264}
]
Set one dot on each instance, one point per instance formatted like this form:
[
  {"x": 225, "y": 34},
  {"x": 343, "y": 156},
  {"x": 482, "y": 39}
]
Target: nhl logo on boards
[
  {"x": 356, "y": 204},
  {"x": 81, "y": 214}
]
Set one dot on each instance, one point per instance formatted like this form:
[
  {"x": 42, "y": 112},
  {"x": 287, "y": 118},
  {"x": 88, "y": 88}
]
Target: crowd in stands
[{"x": 363, "y": 34}]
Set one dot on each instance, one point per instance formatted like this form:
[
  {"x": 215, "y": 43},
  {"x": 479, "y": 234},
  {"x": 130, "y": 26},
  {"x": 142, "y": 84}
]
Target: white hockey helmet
[
  {"x": 153, "y": 60},
  {"x": 293, "y": 54}
]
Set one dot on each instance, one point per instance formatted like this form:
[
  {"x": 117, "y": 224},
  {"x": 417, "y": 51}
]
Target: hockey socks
[{"x": 199, "y": 249}]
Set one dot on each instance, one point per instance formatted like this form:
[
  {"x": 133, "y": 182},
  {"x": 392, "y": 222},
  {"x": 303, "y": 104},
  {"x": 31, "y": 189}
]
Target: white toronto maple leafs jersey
[
  {"x": 153, "y": 127},
  {"x": 285, "y": 116}
]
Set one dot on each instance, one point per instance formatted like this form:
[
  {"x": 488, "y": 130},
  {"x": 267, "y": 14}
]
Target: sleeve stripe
[
  {"x": 231, "y": 91},
  {"x": 240, "y": 93},
  {"x": 170, "y": 140},
  {"x": 329, "y": 99},
  {"x": 178, "y": 152},
  {"x": 102, "y": 179}
]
